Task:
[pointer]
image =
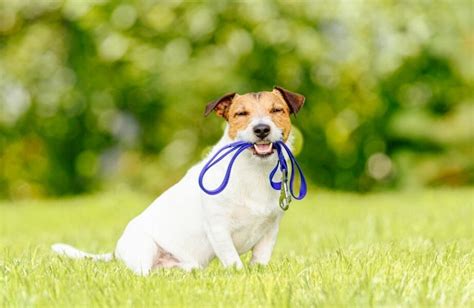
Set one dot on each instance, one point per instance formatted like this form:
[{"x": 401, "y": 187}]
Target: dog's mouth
[{"x": 262, "y": 148}]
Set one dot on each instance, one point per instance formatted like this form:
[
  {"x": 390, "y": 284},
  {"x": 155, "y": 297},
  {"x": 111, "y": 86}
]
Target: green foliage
[
  {"x": 105, "y": 93},
  {"x": 334, "y": 249}
]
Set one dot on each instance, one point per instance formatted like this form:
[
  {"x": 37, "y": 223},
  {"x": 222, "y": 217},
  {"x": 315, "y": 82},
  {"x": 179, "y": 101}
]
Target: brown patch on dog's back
[{"x": 245, "y": 107}]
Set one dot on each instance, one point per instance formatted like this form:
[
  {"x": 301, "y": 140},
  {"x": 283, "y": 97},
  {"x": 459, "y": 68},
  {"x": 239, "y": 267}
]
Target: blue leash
[{"x": 286, "y": 189}]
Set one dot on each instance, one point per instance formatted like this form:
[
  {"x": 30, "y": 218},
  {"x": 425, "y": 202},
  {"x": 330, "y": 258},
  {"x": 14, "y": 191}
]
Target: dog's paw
[
  {"x": 238, "y": 265},
  {"x": 258, "y": 263}
]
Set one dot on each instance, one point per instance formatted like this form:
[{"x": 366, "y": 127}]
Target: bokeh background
[{"x": 101, "y": 94}]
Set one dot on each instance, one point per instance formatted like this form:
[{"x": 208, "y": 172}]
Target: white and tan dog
[{"x": 187, "y": 228}]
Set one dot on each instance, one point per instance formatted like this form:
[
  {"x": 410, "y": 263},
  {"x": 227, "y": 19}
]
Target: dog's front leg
[
  {"x": 218, "y": 233},
  {"x": 262, "y": 251}
]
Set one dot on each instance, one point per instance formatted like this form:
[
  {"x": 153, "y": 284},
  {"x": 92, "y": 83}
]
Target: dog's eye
[
  {"x": 276, "y": 110},
  {"x": 241, "y": 114}
]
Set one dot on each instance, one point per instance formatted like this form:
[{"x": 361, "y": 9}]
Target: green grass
[{"x": 408, "y": 249}]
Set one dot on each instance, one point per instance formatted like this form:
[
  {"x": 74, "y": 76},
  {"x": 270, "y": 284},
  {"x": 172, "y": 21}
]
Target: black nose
[{"x": 261, "y": 130}]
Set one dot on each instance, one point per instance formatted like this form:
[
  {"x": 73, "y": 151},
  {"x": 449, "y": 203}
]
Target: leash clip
[{"x": 285, "y": 195}]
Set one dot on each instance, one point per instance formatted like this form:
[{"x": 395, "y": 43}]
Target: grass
[{"x": 334, "y": 249}]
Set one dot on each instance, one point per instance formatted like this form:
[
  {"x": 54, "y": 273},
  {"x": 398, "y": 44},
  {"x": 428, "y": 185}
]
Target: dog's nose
[{"x": 261, "y": 130}]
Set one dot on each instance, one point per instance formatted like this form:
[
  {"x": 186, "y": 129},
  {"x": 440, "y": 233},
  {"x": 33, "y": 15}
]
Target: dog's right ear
[
  {"x": 294, "y": 100},
  {"x": 220, "y": 105}
]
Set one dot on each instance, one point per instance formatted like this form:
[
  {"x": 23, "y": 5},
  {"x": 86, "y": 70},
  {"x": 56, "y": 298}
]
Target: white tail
[{"x": 74, "y": 253}]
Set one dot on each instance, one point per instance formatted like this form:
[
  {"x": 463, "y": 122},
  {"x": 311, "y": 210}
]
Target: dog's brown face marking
[
  {"x": 262, "y": 104},
  {"x": 240, "y": 110}
]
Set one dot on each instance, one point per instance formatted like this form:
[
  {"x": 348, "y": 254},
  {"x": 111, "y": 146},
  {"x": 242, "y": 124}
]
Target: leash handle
[{"x": 239, "y": 147}]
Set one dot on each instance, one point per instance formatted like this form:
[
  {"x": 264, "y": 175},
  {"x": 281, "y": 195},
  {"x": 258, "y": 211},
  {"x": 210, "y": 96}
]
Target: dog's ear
[
  {"x": 220, "y": 105},
  {"x": 294, "y": 100}
]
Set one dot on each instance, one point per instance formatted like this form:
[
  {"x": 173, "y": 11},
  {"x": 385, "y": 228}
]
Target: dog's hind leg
[
  {"x": 138, "y": 251},
  {"x": 167, "y": 260}
]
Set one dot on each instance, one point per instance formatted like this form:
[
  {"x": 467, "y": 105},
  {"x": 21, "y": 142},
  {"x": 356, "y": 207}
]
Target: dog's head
[{"x": 260, "y": 118}]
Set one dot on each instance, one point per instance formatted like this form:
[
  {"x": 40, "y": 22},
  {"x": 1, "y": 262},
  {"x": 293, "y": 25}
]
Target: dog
[{"x": 187, "y": 228}]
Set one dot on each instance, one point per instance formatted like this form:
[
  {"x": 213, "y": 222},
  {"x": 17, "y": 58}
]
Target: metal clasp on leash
[{"x": 285, "y": 195}]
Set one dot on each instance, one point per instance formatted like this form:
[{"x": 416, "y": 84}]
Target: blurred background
[{"x": 98, "y": 95}]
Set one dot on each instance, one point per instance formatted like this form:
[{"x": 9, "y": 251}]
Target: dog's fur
[{"x": 185, "y": 227}]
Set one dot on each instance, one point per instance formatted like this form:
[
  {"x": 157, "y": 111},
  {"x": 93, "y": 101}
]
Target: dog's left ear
[
  {"x": 294, "y": 100},
  {"x": 220, "y": 105}
]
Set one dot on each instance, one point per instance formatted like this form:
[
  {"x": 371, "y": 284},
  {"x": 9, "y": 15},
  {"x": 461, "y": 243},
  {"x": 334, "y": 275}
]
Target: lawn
[{"x": 334, "y": 249}]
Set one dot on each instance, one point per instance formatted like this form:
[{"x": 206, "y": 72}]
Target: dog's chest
[
  {"x": 255, "y": 209},
  {"x": 252, "y": 218},
  {"x": 247, "y": 228},
  {"x": 251, "y": 204}
]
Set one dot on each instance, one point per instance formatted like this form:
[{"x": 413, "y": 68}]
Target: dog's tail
[{"x": 74, "y": 253}]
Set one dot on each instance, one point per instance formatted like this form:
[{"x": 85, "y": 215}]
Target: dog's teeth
[{"x": 263, "y": 148}]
